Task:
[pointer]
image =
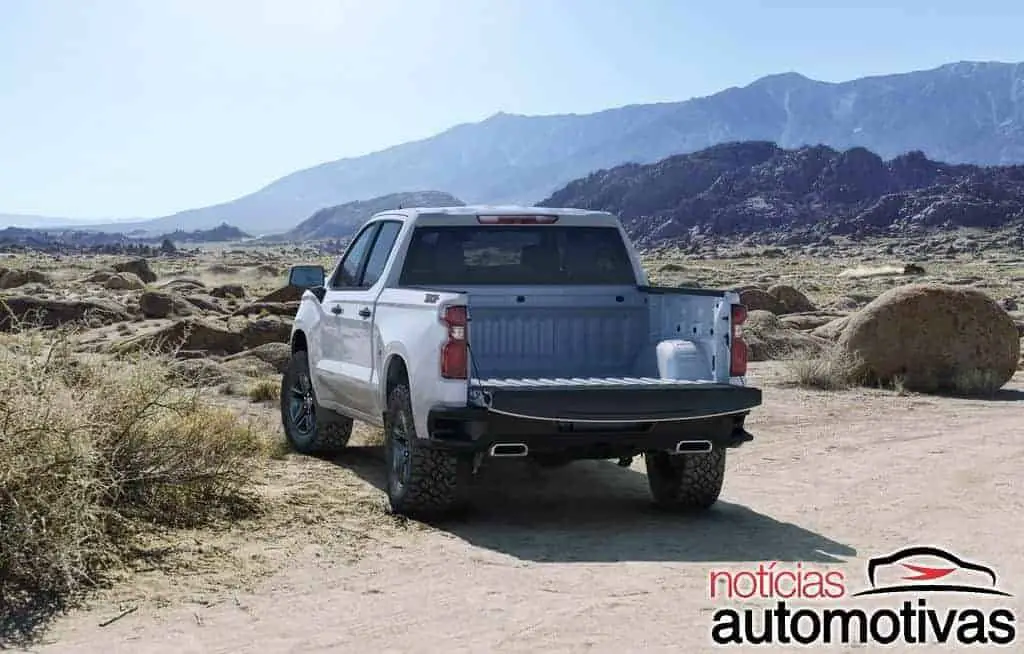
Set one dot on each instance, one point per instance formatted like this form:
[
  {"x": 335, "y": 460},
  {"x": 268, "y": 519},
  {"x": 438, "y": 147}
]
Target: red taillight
[
  {"x": 454, "y": 354},
  {"x": 737, "y": 346},
  {"x": 516, "y": 220}
]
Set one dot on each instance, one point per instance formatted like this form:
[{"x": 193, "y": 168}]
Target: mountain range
[
  {"x": 966, "y": 112},
  {"x": 343, "y": 220},
  {"x": 797, "y": 195}
]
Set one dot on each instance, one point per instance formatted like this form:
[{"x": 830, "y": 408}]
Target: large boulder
[
  {"x": 162, "y": 304},
  {"x": 15, "y": 278},
  {"x": 935, "y": 338},
  {"x": 792, "y": 300},
  {"x": 124, "y": 281},
  {"x": 270, "y": 329},
  {"x": 188, "y": 335},
  {"x": 31, "y": 311},
  {"x": 768, "y": 338},
  {"x": 757, "y": 299},
  {"x": 138, "y": 267}
]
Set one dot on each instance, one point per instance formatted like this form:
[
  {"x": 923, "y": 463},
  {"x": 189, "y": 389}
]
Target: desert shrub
[
  {"x": 832, "y": 369},
  {"x": 93, "y": 453},
  {"x": 976, "y": 382}
]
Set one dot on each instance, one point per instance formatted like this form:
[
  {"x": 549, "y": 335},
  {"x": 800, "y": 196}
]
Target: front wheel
[
  {"x": 422, "y": 481},
  {"x": 686, "y": 482},
  {"x": 309, "y": 428}
]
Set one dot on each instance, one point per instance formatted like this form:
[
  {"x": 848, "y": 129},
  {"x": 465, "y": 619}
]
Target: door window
[
  {"x": 350, "y": 269},
  {"x": 382, "y": 247}
]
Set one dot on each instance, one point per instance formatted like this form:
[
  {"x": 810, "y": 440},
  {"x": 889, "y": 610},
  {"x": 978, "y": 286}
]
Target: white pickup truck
[{"x": 475, "y": 332}]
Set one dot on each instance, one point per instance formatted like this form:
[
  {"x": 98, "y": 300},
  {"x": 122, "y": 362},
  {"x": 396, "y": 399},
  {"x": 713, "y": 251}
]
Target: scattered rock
[
  {"x": 188, "y": 334},
  {"x": 125, "y": 281},
  {"x": 768, "y": 338},
  {"x": 274, "y": 354},
  {"x": 200, "y": 372},
  {"x": 138, "y": 267},
  {"x": 1009, "y": 303},
  {"x": 756, "y": 299},
  {"x": 265, "y": 330},
  {"x": 268, "y": 308},
  {"x": 832, "y": 329},
  {"x": 36, "y": 311},
  {"x": 205, "y": 303},
  {"x": 183, "y": 285},
  {"x": 99, "y": 277},
  {"x": 935, "y": 338},
  {"x": 880, "y": 271},
  {"x": 15, "y": 278},
  {"x": 285, "y": 294},
  {"x": 845, "y": 303},
  {"x": 163, "y": 304},
  {"x": 225, "y": 291},
  {"x": 806, "y": 321},
  {"x": 792, "y": 300}
]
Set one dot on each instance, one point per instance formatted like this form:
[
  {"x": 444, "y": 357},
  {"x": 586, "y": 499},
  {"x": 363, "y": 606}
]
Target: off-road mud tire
[
  {"x": 435, "y": 480},
  {"x": 330, "y": 433},
  {"x": 686, "y": 482}
]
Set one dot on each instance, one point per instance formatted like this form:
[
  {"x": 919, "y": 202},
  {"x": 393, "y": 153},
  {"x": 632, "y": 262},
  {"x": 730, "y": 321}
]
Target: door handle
[
  {"x": 337, "y": 310},
  {"x": 364, "y": 312}
]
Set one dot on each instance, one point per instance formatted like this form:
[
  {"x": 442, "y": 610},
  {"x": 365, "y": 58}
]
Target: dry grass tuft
[
  {"x": 94, "y": 453},
  {"x": 976, "y": 382},
  {"x": 830, "y": 370},
  {"x": 265, "y": 390}
]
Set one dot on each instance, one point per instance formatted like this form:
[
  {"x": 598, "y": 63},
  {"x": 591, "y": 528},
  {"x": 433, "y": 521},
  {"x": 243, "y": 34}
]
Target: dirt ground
[{"x": 575, "y": 559}]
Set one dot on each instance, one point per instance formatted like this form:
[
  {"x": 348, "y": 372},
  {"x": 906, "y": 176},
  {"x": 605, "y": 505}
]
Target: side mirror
[{"x": 306, "y": 277}]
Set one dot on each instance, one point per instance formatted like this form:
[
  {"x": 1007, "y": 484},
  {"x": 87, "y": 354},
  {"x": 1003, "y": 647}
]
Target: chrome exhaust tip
[
  {"x": 692, "y": 447},
  {"x": 509, "y": 449}
]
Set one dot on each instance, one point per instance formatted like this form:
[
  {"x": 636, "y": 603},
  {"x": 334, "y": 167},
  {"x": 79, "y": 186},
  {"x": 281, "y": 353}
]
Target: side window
[
  {"x": 386, "y": 238},
  {"x": 347, "y": 275}
]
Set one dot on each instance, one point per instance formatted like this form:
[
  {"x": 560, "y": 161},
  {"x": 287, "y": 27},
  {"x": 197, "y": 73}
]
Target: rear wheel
[
  {"x": 309, "y": 428},
  {"x": 422, "y": 481},
  {"x": 686, "y": 482}
]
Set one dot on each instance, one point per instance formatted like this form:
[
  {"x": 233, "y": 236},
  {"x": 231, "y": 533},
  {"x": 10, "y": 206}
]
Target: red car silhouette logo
[{"x": 942, "y": 577}]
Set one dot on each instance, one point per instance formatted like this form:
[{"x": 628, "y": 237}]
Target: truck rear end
[{"x": 566, "y": 352}]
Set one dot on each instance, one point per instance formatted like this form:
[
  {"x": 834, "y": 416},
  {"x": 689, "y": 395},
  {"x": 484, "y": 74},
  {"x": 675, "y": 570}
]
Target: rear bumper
[{"x": 597, "y": 423}]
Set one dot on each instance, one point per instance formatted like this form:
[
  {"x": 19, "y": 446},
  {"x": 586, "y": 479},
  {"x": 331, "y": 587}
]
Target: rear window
[{"x": 516, "y": 255}]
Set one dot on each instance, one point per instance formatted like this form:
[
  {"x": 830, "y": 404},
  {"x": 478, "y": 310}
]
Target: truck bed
[{"x": 594, "y": 337}]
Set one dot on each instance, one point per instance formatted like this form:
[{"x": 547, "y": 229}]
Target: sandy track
[{"x": 576, "y": 560}]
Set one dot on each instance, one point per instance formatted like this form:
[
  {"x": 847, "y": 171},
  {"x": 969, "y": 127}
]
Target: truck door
[
  {"x": 360, "y": 324},
  {"x": 332, "y": 370},
  {"x": 351, "y": 304}
]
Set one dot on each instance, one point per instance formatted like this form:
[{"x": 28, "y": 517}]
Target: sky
[{"x": 141, "y": 108}]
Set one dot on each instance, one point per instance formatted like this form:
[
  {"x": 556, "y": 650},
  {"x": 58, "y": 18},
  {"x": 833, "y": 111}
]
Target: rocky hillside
[
  {"x": 82, "y": 240},
  {"x": 804, "y": 193},
  {"x": 963, "y": 113},
  {"x": 342, "y": 220},
  {"x": 220, "y": 234}
]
